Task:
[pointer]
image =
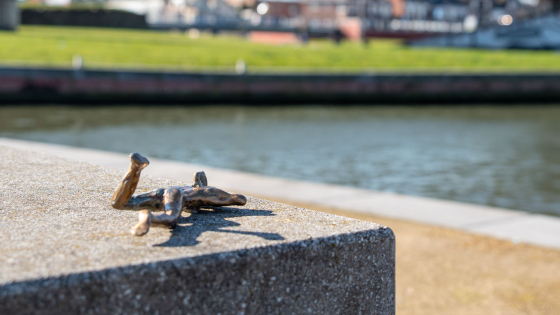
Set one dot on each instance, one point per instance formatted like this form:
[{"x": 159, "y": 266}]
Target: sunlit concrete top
[
  {"x": 517, "y": 226},
  {"x": 56, "y": 219}
]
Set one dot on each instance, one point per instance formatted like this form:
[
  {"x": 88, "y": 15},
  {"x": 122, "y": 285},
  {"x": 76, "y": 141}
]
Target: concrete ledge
[
  {"x": 518, "y": 226},
  {"x": 66, "y": 251},
  {"x": 333, "y": 275}
]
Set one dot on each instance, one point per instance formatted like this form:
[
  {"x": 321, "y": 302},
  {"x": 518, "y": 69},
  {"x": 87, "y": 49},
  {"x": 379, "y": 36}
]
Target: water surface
[{"x": 499, "y": 156}]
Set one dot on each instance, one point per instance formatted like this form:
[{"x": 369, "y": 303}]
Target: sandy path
[{"x": 444, "y": 271}]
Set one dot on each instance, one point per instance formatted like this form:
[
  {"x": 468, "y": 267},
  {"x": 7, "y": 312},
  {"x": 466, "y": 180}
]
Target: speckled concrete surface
[{"x": 65, "y": 250}]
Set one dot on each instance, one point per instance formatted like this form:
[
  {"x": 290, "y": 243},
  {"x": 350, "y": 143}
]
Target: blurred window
[
  {"x": 313, "y": 7},
  {"x": 293, "y": 10},
  {"x": 341, "y": 9},
  {"x": 315, "y": 23}
]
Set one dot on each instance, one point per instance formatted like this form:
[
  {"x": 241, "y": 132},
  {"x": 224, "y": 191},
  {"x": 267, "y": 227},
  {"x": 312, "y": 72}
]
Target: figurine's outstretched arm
[
  {"x": 173, "y": 201},
  {"x": 130, "y": 181},
  {"x": 209, "y": 196}
]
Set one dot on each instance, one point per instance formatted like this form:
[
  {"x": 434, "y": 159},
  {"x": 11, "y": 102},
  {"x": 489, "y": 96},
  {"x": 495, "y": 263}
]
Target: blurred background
[
  {"x": 144, "y": 76},
  {"x": 488, "y": 155},
  {"x": 287, "y": 35}
]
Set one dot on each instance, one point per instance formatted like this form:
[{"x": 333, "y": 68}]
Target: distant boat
[{"x": 536, "y": 33}]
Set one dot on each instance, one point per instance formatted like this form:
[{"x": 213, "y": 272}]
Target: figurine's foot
[
  {"x": 200, "y": 179},
  {"x": 139, "y": 160},
  {"x": 143, "y": 225}
]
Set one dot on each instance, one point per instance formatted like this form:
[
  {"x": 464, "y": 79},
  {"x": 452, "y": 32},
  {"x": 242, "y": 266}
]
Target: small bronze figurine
[{"x": 172, "y": 200}]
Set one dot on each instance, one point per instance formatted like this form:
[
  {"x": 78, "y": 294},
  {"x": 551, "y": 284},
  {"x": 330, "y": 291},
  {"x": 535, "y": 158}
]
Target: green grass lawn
[{"x": 109, "y": 48}]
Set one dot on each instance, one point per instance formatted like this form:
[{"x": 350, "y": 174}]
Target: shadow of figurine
[
  {"x": 189, "y": 228},
  {"x": 171, "y": 200}
]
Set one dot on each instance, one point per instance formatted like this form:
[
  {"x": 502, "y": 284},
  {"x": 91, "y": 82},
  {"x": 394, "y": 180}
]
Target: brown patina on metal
[{"x": 171, "y": 200}]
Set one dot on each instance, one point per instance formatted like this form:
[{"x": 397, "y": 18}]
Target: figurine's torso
[{"x": 193, "y": 197}]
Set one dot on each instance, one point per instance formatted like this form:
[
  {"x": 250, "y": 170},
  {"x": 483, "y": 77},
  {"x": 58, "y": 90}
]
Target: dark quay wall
[{"x": 43, "y": 85}]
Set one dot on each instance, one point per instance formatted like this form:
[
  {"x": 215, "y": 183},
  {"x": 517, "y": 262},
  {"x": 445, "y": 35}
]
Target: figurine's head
[{"x": 239, "y": 200}]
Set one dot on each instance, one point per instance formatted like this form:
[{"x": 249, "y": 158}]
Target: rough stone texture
[{"x": 65, "y": 250}]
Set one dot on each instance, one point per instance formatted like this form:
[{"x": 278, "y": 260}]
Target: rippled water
[{"x": 499, "y": 156}]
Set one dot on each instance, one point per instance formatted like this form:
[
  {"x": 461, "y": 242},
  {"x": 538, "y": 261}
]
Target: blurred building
[
  {"x": 533, "y": 33},
  {"x": 317, "y": 15},
  {"x": 396, "y": 18},
  {"x": 355, "y": 19},
  {"x": 181, "y": 12}
]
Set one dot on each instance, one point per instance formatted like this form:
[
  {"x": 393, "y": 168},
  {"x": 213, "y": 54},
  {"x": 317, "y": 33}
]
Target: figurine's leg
[
  {"x": 130, "y": 181},
  {"x": 152, "y": 200},
  {"x": 173, "y": 202}
]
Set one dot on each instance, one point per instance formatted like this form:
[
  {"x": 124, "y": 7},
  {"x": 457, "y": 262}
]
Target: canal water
[{"x": 499, "y": 156}]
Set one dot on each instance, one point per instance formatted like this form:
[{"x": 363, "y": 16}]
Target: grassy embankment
[{"x": 117, "y": 48}]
